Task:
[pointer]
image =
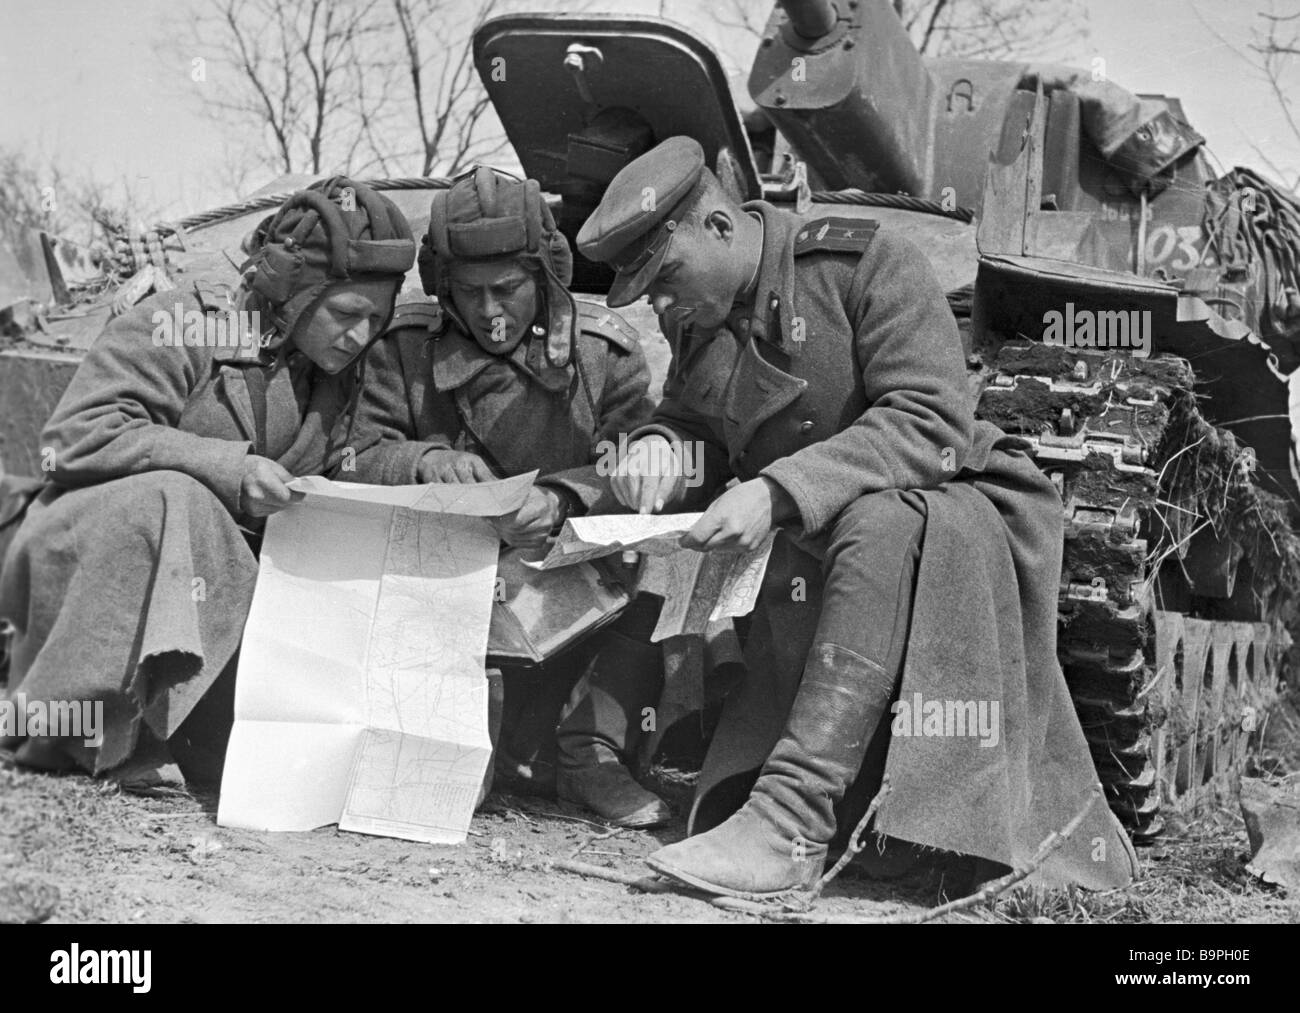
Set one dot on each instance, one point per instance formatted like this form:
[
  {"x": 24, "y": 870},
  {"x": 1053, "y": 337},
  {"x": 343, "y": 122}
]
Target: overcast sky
[{"x": 81, "y": 80}]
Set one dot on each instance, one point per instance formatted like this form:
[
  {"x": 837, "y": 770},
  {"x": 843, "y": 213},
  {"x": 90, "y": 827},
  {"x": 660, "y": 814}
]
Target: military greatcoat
[{"x": 844, "y": 379}]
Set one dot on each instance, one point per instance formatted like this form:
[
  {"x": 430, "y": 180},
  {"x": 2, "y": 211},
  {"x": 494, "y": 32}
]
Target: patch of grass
[{"x": 1195, "y": 872}]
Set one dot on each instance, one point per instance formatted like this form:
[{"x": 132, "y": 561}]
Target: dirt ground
[
  {"x": 95, "y": 853},
  {"x": 75, "y": 850}
]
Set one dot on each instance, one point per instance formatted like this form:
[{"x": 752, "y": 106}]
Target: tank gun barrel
[{"x": 810, "y": 19}]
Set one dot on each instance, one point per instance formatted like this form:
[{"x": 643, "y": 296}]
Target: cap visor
[{"x": 628, "y": 288}]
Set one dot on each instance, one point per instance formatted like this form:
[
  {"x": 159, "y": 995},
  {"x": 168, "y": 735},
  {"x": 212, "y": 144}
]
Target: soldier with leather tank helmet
[
  {"x": 507, "y": 374},
  {"x": 166, "y": 457}
]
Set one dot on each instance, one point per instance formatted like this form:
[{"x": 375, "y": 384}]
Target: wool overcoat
[
  {"x": 130, "y": 578},
  {"x": 429, "y": 386},
  {"x": 845, "y": 378}
]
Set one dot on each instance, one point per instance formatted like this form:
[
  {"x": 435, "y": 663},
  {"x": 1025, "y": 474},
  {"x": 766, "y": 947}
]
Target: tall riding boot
[
  {"x": 777, "y": 841},
  {"x": 533, "y": 699},
  {"x": 598, "y": 732},
  {"x": 199, "y": 744}
]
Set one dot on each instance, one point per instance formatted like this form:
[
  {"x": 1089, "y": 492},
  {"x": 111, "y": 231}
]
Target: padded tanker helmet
[
  {"x": 334, "y": 231},
  {"x": 489, "y": 215}
]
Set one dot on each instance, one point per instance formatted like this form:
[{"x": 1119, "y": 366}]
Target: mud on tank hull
[{"x": 1180, "y": 573}]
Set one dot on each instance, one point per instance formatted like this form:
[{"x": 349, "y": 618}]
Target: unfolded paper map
[
  {"x": 361, "y": 696},
  {"x": 697, "y": 587}
]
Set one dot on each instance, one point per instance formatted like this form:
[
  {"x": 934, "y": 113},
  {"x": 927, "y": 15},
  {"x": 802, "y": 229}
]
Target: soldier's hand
[
  {"x": 649, "y": 477},
  {"x": 738, "y": 520},
  {"x": 264, "y": 487},
  {"x": 453, "y": 466},
  {"x": 531, "y": 523}
]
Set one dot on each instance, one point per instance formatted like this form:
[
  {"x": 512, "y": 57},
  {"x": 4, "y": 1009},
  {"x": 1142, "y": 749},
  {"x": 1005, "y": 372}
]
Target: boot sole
[
  {"x": 696, "y": 883},
  {"x": 581, "y": 809}
]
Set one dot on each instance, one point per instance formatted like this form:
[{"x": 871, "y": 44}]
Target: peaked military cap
[{"x": 633, "y": 225}]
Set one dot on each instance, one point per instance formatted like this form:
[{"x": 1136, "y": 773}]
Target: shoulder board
[
  {"x": 422, "y": 314},
  {"x": 607, "y": 324},
  {"x": 842, "y": 235}
]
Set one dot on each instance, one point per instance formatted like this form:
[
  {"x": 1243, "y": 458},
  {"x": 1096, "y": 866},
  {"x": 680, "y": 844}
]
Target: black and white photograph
[{"x": 641, "y": 462}]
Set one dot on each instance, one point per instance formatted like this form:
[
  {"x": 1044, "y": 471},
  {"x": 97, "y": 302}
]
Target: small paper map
[
  {"x": 697, "y": 587},
  {"x": 361, "y": 695},
  {"x": 584, "y": 538}
]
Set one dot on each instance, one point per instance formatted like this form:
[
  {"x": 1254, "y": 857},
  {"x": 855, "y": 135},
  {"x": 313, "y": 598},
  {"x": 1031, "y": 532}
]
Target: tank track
[{"x": 1169, "y": 684}]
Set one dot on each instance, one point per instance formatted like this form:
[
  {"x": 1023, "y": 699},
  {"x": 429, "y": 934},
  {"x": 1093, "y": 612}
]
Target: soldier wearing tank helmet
[
  {"x": 129, "y": 580},
  {"x": 507, "y": 374}
]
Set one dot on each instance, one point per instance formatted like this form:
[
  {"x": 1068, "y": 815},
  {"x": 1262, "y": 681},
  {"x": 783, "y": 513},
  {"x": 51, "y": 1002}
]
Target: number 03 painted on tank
[{"x": 1180, "y": 246}]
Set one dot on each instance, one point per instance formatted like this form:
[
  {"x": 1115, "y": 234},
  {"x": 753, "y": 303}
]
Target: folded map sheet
[
  {"x": 361, "y": 695},
  {"x": 697, "y": 587}
]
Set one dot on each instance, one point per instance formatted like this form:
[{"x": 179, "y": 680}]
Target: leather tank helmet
[
  {"x": 334, "y": 231},
  {"x": 487, "y": 214}
]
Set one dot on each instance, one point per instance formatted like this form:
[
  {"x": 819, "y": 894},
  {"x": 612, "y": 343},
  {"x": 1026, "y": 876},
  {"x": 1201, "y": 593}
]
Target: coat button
[{"x": 807, "y": 426}]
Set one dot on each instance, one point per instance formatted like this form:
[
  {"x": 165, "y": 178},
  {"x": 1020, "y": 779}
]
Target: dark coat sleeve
[
  {"x": 385, "y": 436},
  {"x": 120, "y": 413},
  {"x": 624, "y": 406},
  {"x": 919, "y": 423},
  {"x": 691, "y": 412}
]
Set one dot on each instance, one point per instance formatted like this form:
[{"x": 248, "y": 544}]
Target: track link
[{"x": 1167, "y": 701}]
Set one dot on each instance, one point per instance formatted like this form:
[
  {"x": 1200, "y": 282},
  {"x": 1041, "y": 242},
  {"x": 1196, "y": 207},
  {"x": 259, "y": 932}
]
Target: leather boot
[
  {"x": 199, "y": 745},
  {"x": 598, "y": 732},
  {"x": 533, "y": 699},
  {"x": 778, "y": 839}
]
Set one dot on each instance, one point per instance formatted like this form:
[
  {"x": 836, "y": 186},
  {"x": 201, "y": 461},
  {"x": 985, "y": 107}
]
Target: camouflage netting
[
  {"x": 1253, "y": 225},
  {"x": 1206, "y": 476}
]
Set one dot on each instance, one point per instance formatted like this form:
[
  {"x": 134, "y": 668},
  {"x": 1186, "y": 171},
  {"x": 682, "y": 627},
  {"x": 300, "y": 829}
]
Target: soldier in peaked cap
[
  {"x": 506, "y": 374},
  {"x": 917, "y": 553},
  {"x": 131, "y": 576}
]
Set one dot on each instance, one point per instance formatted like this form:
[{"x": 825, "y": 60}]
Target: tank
[{"x": 1176, "y": 468}]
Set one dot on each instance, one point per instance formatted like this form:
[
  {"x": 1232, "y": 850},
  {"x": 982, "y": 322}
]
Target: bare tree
[
  {"x": 361, "y": 86},
  {"x": 433, "y": 89},
  {"x": 288, "y": 69},
  {"x": 988, "y": 29},
  {"x": 42, "y": 195},
  {"x": 992, "y": 29},
  {"x": 1274, "y": 53},
  {"x": 746, "y": 16},
  {"x": 1278, "y": 50}
]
